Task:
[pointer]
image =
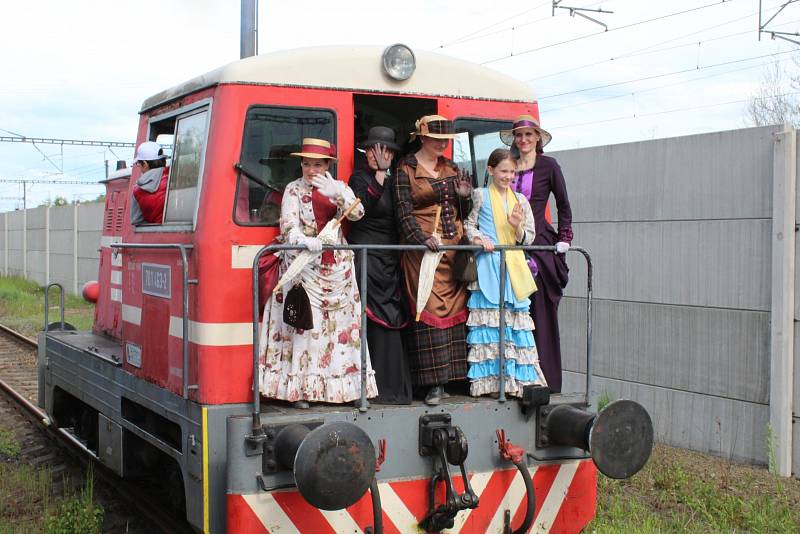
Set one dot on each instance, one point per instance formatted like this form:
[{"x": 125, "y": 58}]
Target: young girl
[{"x": 501, "y": 217}]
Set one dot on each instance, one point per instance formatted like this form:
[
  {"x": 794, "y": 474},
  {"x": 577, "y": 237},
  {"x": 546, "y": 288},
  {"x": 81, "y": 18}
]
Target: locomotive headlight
[{"x": 399, "y": 62}]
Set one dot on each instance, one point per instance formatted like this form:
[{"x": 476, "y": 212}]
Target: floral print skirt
[{"x": 319, "y": 365}]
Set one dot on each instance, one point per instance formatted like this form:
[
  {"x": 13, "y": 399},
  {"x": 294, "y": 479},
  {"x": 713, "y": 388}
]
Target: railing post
[
  {"x": 363, "y": 404},
  {"x": 502, "y": 327},
  {"x": 185, "y": 297}
]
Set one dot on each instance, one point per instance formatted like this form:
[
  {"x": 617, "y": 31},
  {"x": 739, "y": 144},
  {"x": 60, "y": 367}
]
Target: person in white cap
[{"x": 149, "y": 193}]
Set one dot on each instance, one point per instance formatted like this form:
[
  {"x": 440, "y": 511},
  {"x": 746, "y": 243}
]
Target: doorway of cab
[{"x": 397, "y": 113}]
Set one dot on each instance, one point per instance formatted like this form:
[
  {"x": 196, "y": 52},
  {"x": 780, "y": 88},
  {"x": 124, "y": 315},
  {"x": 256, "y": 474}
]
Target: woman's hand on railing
[
  {"x": 562, "y": 247},
  {"x": 432, "y": 243},
  {"x": 313, "y": 244},
  {"x": 484, "y": 242}
]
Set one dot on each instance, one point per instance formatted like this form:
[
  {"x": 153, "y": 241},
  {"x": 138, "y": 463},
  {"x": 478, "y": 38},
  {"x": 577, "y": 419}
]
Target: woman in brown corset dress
[{"x": 426, "y": 180}]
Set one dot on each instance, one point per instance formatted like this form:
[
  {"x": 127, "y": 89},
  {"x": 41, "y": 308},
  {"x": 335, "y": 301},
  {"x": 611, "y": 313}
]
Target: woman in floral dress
[{"x": 322, "y": 364}]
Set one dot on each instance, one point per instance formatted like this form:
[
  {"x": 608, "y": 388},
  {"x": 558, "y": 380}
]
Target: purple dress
[{"x": 536, "y": 185}]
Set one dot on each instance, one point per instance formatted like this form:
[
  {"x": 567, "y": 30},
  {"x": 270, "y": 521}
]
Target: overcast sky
[{"x": 81, "y": 69}]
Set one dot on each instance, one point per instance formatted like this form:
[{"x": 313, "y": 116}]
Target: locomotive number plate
[
  {"x": 133, "y": 354},
  {"x": 157, "y": 280}
]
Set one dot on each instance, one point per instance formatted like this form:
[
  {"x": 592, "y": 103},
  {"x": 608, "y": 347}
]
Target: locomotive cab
[{"x": 164, "y": 384}]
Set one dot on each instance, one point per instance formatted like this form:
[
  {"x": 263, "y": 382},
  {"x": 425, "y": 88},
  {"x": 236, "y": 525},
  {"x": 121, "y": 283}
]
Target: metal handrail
[
  {"x": 47, "y": 305},
  {"x": 363, "y": 404},
  {"x": 184, "y": 291}
]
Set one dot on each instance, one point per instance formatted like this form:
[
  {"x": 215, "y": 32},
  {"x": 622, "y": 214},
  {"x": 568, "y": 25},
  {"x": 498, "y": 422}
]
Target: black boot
[{"x": 434, "y": 396}]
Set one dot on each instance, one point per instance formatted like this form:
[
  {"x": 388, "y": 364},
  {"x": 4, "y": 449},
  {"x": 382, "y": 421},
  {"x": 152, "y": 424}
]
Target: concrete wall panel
[
  {"x": 37, "y": 239},
  {"x": 90, "y": 217},
  {"x": 37, "y": 218},
  {"x": 61, "y": 242},
  {"x": 89, "y": 245},
  {"x": 701, "y": 350},
  {"x": 61, "y": 218},
  {"x": 697, "y": 263},
  {"x": 61, "y": 266},
  {"x": 716, "y": 425},
  {"x": 16, "y": 220},
  {"x": 705, "y": 176},
  {"x": 87, "y": 270}
]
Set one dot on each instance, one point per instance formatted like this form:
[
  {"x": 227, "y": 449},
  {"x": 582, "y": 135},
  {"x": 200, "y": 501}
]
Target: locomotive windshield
[{"x": 270, "y": 135}]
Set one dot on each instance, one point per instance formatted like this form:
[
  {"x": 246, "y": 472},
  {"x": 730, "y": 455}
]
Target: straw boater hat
[
  {"x": 434, "y": 126},
  {"x": 525, "y": 121},
  {"x": 317, "y": 149}
]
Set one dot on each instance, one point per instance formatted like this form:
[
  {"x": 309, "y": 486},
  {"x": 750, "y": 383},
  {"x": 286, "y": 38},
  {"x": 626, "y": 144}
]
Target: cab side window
[
  {"x": 476, "y": 138},
  {"x": 186, "y": 166},
  {"x": 271, "y": 134}
]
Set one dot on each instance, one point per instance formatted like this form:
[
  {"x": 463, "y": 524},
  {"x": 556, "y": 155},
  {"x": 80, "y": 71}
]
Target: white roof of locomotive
[{"x": 358, "y": 68}]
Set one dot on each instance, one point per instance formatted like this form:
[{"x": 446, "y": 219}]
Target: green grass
[
  {"x": 9, "y": 448},
  {"x": 681, "y": 491},
  {"x": 27, "y": 504},
  {"x": 604, "y": 400},
  {"x": 25, "y": 497},
  {"x": 22, "y": 307}
]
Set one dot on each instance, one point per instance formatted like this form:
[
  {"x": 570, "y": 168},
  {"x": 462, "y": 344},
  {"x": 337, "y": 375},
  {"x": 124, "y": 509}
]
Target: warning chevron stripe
[{"x": 565, "y": 501}]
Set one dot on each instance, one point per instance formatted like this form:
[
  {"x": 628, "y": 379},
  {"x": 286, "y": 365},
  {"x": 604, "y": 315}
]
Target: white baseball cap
[{"x": 149, "y": 151}]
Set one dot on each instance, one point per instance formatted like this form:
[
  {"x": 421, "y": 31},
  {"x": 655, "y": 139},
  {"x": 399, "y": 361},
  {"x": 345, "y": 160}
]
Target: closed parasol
[
  {"x": 427, "y": 268},
  {"x": 328, "y": 235}
]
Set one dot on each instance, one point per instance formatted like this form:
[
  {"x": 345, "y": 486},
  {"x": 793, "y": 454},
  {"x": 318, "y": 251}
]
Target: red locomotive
[{"x": 163, "y": 385}]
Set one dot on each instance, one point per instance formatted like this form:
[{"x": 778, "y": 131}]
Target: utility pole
[{"x": 248, "y": 31}]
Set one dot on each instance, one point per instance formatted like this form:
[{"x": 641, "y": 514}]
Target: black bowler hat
[{"x": 382, "y": 135}]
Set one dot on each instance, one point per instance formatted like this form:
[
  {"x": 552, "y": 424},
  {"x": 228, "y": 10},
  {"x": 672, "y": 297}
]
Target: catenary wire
[
  {"x": 662, "y": 75},
  {"x": 648, "y": 49},
  {"x": 650, "y": 89},
  {"x": 668, "y": 15},
  {"x": 469, "y": 36},
  {"x": 677, "y": 110}
]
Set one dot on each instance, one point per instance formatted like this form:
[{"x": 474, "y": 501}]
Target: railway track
[{"x": 128, "y": 508}]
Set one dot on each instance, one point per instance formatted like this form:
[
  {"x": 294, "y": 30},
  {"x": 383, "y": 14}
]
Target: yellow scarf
[{"x": 518, "y": 271}]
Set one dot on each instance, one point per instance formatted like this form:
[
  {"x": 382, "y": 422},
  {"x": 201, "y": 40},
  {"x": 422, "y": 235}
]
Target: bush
[{"x": 78, "y": 514}]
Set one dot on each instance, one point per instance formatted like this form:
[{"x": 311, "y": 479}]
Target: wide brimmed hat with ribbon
[
  {"x": 525, "y": 121},
  {"x": 317, "y": 149},
  {"x": 434, "y": 126}
]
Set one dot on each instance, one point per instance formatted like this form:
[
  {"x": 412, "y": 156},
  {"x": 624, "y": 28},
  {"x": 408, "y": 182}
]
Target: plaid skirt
[{"x": 436, "y": 355}]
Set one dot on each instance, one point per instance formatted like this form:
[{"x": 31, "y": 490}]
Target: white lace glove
[
  {"x": 328, "y": 186},
  {"x": 313, "y": 244},
  {"x": 562, "y": 247}
]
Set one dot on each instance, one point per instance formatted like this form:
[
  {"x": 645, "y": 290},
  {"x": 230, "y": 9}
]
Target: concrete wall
[
  {"x": 680, "y": 235},
  {"x": 59, "y": 244}
]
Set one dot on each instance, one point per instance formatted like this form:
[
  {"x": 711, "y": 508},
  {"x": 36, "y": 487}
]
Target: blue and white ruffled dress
[{"x": 521, "y": 358}]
